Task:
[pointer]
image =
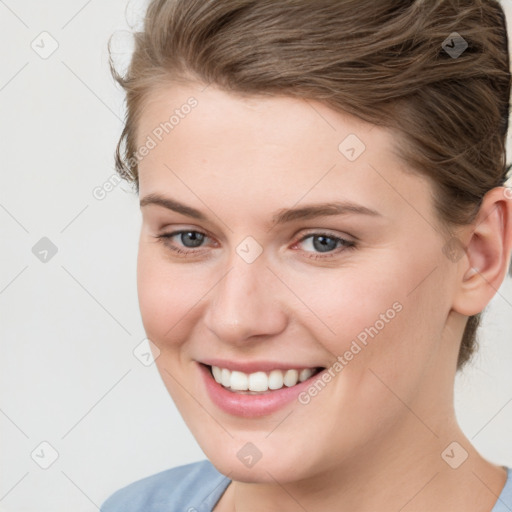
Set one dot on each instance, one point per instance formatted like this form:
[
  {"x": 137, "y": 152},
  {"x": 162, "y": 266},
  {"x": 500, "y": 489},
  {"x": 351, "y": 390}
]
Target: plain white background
[{"x": 69, "y": 325}]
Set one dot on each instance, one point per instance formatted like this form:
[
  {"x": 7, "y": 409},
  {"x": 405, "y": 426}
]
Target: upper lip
[{"x": 255, "y": 366}]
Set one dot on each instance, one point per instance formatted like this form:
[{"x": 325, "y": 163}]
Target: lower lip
[{"x": 248, "y": 406}]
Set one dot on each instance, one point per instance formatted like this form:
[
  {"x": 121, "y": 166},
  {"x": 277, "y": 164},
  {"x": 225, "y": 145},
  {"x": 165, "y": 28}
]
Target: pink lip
[
  {"x": 254, "y": 366},
  {"x": 248, "y": 406}
]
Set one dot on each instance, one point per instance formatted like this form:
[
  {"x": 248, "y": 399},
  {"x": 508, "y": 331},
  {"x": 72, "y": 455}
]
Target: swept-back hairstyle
[{"x": 436, "y": 72}]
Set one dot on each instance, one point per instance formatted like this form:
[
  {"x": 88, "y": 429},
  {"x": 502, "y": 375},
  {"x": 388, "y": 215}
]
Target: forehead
[
  {"x": 226, "y": 145},
  {"x": 274, "y": 120}
]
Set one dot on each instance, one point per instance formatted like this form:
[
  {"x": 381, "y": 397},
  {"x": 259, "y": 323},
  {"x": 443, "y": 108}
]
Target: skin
[{"x": 373, "y": 438}]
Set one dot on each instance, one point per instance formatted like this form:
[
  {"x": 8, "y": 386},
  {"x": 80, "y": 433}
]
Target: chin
[{"x": 272, "y": 465}]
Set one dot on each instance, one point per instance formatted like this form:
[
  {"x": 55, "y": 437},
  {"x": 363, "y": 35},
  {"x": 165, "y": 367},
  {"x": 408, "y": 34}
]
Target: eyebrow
[
  {"x": 280, "y": 217},
  {"x": 172, "y": 204}
]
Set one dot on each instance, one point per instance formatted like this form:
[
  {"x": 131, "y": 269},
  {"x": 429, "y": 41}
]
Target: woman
[{"x": 324, "y": 219}]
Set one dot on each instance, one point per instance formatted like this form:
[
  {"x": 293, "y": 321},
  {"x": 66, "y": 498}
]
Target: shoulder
[
  {"x": 504, "y": 502},
  {"x": 194, "y": 487}
]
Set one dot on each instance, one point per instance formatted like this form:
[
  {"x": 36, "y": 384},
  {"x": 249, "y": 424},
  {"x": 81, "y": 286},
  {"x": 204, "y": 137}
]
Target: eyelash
[{"x": 345, "y": 244}]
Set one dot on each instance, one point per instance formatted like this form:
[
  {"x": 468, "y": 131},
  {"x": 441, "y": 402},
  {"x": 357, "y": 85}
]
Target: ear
[{"x": 488, "y": 247}]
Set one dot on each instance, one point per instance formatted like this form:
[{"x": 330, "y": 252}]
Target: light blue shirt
[{"x": 198, "y": 486}]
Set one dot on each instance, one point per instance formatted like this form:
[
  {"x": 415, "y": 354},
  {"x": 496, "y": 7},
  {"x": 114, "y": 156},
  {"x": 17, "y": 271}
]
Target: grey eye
[
  {"x": 191, "y": 238},
  {"x": 321, "y": 243}
]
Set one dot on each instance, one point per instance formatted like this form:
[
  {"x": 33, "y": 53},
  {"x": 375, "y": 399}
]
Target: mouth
[
  {"x": 261, "y": 382},
  {"x": 263, "y": 388}
]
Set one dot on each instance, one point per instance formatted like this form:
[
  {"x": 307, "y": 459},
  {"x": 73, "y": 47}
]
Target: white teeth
[
  {"x": 275, "y": 379},
  {"x": 225, "y": 379},
  {"x": 290, "y": 378},
  {"x": 239, "y": 381},
  {"x": 217, "y": 373},
  {"x": 305, "y": 374},
  {"x": 260, "y": 381}
]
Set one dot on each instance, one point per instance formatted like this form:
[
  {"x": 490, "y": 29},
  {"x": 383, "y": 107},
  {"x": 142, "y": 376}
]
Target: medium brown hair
[{"x": 387, "y": 62}]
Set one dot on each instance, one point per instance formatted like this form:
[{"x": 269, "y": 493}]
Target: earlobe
[{"x": 488, "y": 249}]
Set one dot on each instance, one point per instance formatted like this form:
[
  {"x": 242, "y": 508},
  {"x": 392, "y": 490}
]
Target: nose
[{"x": 245, "y": 303}]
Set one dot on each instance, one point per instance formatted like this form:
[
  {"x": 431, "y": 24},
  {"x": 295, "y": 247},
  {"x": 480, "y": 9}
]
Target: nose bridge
[{"x": 243, "y": 304}]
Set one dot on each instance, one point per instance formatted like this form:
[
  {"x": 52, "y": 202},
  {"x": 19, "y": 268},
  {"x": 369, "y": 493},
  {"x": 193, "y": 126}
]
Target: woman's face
[{"x": 267, "y": 278}]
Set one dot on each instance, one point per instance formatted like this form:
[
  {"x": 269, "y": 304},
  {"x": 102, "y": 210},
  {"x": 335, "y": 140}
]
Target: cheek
[
  {"x": 344, "y": 304},
  {"x": 385, "y": 313},
  {"x": 397, "y": 322},
  {"x": 167, "y": 296}
]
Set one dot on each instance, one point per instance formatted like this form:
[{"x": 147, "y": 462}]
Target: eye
[
  {"x": 318, "y": 243},
  {"x": 189, "y": 239}
]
